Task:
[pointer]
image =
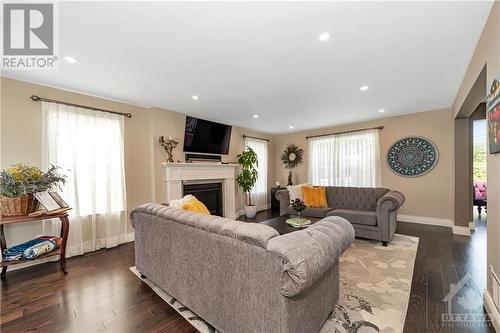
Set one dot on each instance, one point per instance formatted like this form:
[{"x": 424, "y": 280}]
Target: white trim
[
  {"x": 241, "y": 212},
  {"x": 462, "y": 231},
  {"x": 426, "y": 220},
  {"x": 491, "y": 310}
]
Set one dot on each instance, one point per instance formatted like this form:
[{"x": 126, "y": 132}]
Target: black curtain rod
[
  {"x": 35, "y": 98},
  {"x": 253, "y": 137},
  {"x": 344, "y": 132}
]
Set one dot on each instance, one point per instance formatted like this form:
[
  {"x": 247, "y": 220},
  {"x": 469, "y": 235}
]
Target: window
[
  {"x": 88, "y": 146},
  {"x": 260, "y": 189},
  {"x": 351, "y": 159}
]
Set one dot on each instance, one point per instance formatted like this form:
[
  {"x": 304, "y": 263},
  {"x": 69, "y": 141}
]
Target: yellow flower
[{"x": 22, "y": 172}]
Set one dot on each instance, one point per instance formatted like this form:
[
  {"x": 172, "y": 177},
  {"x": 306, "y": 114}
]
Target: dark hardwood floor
[{"x": 100, "y": 294}]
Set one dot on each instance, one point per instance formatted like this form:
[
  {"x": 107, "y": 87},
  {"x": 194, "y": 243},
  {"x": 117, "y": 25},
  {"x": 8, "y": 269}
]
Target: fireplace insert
[{"x": 208, "y": 193}]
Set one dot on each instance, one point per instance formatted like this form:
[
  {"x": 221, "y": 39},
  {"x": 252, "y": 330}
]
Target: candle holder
[{"x": 169, "y": 144}]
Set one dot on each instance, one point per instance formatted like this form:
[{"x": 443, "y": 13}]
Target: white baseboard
[
  {"x": 130, "y": 237},
  {"x": 426, "y": 220},
  {"x": 491, "y": 309},
  {"x": 241, "y": 212},
  {"x": 462, "y": 231},
  {"x": 472, "y": 225}
]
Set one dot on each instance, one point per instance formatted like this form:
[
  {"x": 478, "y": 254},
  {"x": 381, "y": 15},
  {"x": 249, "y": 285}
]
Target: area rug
[{"x": 375, "y": 285}]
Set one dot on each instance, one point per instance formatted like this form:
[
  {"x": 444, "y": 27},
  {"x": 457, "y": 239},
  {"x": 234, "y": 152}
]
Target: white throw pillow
[
  {"x": 178, "y": 203},
  {"x": 295, "y": 191}
]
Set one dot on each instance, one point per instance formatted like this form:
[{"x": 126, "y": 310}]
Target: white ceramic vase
[{"x": 250, "y": 211}]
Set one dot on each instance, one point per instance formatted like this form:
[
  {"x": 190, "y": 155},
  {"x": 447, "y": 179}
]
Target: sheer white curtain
[
  {"x": 260, "y": 190},
  {"x": 351, "y": 159},
  {"x": 88, "y": 146}
]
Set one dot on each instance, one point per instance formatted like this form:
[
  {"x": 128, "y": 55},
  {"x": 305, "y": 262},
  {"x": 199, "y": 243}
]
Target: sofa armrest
[
  {"x": 284, "y": 198},
  {"x": 308, "y": 254},
  {"x": 392, "y": 201}
]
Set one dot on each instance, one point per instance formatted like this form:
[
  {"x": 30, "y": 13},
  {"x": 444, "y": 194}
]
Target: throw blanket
[{"x": 32, "y": 248}]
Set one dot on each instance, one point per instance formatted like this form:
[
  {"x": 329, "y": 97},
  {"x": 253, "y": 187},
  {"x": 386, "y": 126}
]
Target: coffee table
[{"x": 280, "y": 225}]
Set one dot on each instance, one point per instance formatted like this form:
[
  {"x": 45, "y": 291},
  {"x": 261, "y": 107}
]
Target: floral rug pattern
[{"x": 375, "y": 285}]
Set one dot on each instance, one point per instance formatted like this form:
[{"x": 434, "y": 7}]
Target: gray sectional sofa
[
  {"x": 242, "y": 277},
  {"x": 371, "y": 211}
]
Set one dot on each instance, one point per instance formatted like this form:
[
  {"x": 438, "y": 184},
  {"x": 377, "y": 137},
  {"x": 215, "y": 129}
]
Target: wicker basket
[{"x": 22, "y": 205}]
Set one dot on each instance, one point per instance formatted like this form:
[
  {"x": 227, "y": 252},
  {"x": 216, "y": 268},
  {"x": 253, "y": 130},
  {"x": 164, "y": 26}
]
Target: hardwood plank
[{"x": 100, "y": 294}]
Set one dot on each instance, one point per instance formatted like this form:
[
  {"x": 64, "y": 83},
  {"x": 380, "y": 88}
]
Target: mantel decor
[
  {"x": 169, "y": 144},
  {"x": 292, "y": 157},
  {"x": 412, "y": 156}
]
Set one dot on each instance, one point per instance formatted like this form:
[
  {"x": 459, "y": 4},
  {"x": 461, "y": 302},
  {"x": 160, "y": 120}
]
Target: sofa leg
[
  {"x": 384, "y": 243},
  {"x": 479, "y": 210}
]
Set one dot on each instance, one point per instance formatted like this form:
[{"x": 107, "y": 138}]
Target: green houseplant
[
  {"x": 247, "y": 178},
  {"x": 18, "y": 184}
]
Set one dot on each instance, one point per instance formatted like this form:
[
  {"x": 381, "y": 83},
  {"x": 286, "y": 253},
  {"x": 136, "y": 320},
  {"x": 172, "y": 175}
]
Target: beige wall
[
  {"x": 487, "y": 52},
  {"x": 429, "y": 195},
  {"x": 20, "y": 135}
]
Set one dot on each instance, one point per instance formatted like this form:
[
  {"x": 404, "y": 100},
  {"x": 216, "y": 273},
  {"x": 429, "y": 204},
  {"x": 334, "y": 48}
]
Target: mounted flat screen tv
[{"x": 203, "y": 136}]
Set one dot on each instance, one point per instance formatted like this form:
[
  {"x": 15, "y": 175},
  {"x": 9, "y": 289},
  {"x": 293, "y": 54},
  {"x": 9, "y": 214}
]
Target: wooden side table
[{"x": 61, "y": 251}]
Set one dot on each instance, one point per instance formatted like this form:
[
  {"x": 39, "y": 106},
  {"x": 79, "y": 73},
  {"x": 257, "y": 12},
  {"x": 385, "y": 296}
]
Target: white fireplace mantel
[{"x": 176, "y": 174}]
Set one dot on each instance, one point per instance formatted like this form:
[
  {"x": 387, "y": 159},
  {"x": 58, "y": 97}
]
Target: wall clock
[{"x": 412, "y": 156}]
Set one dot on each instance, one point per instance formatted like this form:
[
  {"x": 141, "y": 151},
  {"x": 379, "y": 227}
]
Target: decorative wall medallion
[{"x": 412, "y": 156}]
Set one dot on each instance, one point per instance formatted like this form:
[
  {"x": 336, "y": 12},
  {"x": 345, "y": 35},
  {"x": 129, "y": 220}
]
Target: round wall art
[{"x": 412, "y": 156}]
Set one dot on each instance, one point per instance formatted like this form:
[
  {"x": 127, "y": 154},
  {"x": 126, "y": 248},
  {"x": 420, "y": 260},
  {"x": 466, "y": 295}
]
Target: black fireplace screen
[{"x": 210, "y": 194}]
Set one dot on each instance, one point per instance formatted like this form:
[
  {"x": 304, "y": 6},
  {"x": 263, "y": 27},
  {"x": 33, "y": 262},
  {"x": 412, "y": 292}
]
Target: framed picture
[{"x": 493, "y": 115}]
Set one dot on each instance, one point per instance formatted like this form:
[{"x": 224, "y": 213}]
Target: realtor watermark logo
[
  {"x": 30, "y": 36},
  {"x": 470, "y": 301}
]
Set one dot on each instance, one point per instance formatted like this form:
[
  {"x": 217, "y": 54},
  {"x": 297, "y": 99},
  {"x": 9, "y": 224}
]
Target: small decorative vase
[
  {"x": 290, "y": 178},
  {"x": 298, "y": 213}
]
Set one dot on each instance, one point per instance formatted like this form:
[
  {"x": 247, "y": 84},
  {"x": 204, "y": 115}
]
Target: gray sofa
[
  {"x": 371, "y": 211},
  {"x": 242, "y": 277}
]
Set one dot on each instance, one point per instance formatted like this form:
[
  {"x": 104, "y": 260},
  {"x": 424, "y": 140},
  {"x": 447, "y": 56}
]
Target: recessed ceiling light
[
  {"x": 256, "y": 116},
  {"x": 324, "y": 36},
  {"x": 381, "y": 110},
  {"x": 291, "y": 127},
  {"x": 195, "y": 97},
  {"x": 71, "y": 60},
  {"x": 364, "y": 88}
]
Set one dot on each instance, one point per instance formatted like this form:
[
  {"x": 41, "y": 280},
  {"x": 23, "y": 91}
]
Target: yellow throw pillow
[
  {"x": 315, "y": 197},
  {"x": 196, "y": 206}
]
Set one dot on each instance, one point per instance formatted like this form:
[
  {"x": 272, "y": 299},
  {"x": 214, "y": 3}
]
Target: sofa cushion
[
  {"x": 196, "y": 206},
  {"x": 356, "y": 216},
  {"x": 314, "y": 197},
  {"x": 295, "y": 191},
  {"x": 358, "y": 198},
  {"x": 311, "y": 212}
]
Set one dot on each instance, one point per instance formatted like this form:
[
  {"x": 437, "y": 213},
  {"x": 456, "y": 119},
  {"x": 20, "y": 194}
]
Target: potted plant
[
  {"x": 18, "y": 184},
  {"x": 298, "y": 206},
  {"x": 247, "y": 178}
]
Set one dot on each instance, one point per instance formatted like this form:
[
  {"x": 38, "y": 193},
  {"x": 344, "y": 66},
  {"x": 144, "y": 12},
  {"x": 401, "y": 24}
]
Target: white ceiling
[{"x": 263, "y": 58}]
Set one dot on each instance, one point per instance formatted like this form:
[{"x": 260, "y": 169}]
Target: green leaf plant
[{"x": 248, "y": 176}]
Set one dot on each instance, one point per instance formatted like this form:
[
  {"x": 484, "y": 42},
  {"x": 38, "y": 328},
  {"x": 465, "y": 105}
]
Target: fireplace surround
[{"x": 179, "y": 175}]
